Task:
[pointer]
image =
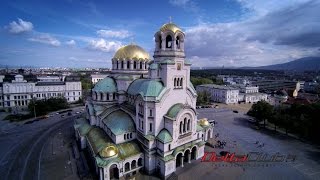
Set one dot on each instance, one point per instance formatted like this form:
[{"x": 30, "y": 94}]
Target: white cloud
[
  {"x": 45, "y": 39},
  {"x": 105, "y": 46},
  {"x": 276, "y": 37},
  {"x": 187, "y": 5},
  {"x": 121, "y": 34},
  {"x": 71, "y": 42},
  {"x": 19, "y": 27}
]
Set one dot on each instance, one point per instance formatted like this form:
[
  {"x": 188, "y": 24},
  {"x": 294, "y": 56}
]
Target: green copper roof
[
  {"x": 98, "y": 139},
  {"x": 154, "y": 66},
  {"x": 106, "y": 85},
  {"x": 164, "y": 136},
  {"x": 83, "y": 126},
  {"x": 119, "y": 122},
  {"x": 121, "y": 77},
  {"x": 146, "y": 87},
  {"x": 128, "y": 149},
  {"x": 199, "y": 128},
  {"x": 174, "y": 110},
  {"x": 187, "y": 62},
  {"x": 167, "y": 61}
]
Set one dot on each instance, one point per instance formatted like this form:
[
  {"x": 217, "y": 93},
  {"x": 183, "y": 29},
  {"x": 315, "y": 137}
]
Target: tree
[
  {"x": 203, "y": 98},
  {"x": 262, "y": 111}
]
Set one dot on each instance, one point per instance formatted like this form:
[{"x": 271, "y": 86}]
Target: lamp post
[{"x": 34, "y": 110}]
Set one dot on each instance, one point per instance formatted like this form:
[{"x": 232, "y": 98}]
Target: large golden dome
[
  {"x": 170, "y": 27},
  {"x": 131, "y": 51}
]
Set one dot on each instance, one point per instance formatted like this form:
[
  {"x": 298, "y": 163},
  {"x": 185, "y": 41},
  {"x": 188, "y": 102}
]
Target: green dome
[
  {"x": 119, "y": 122},
  {"x": 164, "y": 136},
  {"x": 106, "y": 85},
  {"x": 174, "y": 110},
  {"x": 146, "y": 87}
]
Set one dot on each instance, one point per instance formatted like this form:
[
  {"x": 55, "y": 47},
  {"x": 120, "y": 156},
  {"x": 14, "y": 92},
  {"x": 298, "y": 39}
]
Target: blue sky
[{"x": 84, "y": 33}]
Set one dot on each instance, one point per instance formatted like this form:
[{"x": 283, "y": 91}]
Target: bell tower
[{"x": 169, "y": 57}]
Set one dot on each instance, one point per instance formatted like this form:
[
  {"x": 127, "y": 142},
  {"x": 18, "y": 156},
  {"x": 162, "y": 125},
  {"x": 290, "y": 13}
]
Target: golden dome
[
  {"x": 131, "y": 51},
  {"x": 170, "y": 27},
  {"x": 204, "y": 122},
  {"x": 109, "y": 151}
]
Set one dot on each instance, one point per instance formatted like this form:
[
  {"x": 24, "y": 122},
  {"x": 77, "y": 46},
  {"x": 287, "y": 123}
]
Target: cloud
[
  {"x": 45, "y": 39},
  {"x": 187, "y": 5},
  {"x": 19, "y": 27},
  {"x": 277, "y": 37},
  {"x": 121, "y": 34},
  {"x": 71, "y": 42},
  {"x": 103, "y": 45}
]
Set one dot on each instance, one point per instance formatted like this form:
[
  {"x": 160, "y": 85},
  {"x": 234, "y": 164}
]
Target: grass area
[{"x": 18, "y": 117}]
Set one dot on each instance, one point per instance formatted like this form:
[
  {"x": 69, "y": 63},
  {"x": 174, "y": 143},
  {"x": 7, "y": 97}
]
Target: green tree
[{"x": 262, "y": 111}]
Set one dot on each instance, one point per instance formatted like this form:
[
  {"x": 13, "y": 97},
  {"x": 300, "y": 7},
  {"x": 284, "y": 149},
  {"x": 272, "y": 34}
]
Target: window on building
[
  {"x": 150, "y": 113},
  {"x": 169, "y": 147},
  {"x": 141, "y": 124},
  {"x": 150, "y": 127},
  {"x": 15, "y": 97}
]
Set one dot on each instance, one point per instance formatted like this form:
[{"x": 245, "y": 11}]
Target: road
[{"x": 22, "y": 146}]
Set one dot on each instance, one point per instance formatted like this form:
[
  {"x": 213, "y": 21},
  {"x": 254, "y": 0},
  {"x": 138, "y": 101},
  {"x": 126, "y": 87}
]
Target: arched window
[
  {"x": 175, "y": 82},
  {"x": 128, "y": 136},
  {"x": 108, "y": 96},
  {"x": 114, "y": 95},
  {"x": 178, "y": 42},
  {"x": 133, "y": 164},
  {"x": 117, "y": 65},
  {"x": 134, "y": 65},
  {"x": 180, "y": 82},
  {"x": 145, "y": 65},
  {"x": 184, "y": 124},
  {"x": 188, "y": 127},
  {"x": 181, "y": 127},
  {"x": 141, "y": 65},
  {"x": 127, "y": 167},
  {"x": 124, "y": 137},
  {"x": 140, "y": 162},
  {"x": 101, "y": 96},
  {"x": 128, "y": 64},
  {"x": 168, "y": 41},
  {"x": 122, "y": 64}
]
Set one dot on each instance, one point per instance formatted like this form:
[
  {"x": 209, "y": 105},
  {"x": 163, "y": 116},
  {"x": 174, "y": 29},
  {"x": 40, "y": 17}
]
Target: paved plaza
[{"x": 241, "y": 139}]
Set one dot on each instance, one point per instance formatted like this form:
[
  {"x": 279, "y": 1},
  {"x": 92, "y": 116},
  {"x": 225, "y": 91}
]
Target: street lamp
[{"x": 34, "y": 110}]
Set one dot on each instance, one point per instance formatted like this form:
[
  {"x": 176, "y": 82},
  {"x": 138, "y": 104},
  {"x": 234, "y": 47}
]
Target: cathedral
[{"x": 143, "y": 116}]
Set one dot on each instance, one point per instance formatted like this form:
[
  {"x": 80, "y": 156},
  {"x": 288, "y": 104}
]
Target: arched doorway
[
  {"x": 209, "y": 134},
  {"x": 186, "y": 156},
  {"x": 127, "y": 167},
  {"x": 114, "y": 172},
  {"x": 194, "y": 153},
  {"x": 178, "y": 160},
  {"x": 133, "y": 164}
]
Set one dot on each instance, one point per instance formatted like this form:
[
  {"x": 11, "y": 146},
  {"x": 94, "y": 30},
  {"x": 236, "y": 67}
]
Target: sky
[{"x": 87, "y": 33}]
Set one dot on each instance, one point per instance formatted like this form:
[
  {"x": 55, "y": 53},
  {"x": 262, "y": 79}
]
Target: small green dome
[
  {"x": 164, "y": 136},
  {"x": 174, "y": 110},
  {"x": 146, "y": 87},
  {"x": 119, "y": 122},
  {"x": 106, "y": 85}
]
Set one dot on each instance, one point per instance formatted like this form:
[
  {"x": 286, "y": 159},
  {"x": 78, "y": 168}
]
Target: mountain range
[{"x": 302, "y": 64}]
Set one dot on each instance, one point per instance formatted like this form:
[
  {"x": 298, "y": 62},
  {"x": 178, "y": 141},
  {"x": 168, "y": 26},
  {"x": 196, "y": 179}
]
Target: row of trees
[
  {"x": 44, "y": 106},
  {"x": 302, "y": 120}
]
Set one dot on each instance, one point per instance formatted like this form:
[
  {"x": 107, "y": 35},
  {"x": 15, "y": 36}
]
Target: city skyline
[{"x": 231, "y": 33}]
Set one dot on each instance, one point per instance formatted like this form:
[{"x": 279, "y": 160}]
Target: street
[{"x": 23, "y": 146}]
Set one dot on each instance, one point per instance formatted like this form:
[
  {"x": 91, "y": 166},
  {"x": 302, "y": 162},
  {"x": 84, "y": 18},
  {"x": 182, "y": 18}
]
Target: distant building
[
  {"x": 220, "y": 93},
  {"x": 274, "y": 85},
  {"x": 16, "y": 92},
  {"x": 97, "y": 77},
  {"x": 250, "y": 94}
]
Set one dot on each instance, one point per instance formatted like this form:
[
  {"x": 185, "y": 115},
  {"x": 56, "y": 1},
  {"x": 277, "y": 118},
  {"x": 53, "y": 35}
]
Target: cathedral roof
[
  {"x": 164, "y": 136},
  {"x": 146, "y": 87},
  {"x": 83, "y": 126},
  {"x": 131, "y": 51},
  {"x": 174, "y": 110},
  {"x": 119, "y": 122},
  {"x": 170, "y": 27},
  {"x": 106, "y": 85}
]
